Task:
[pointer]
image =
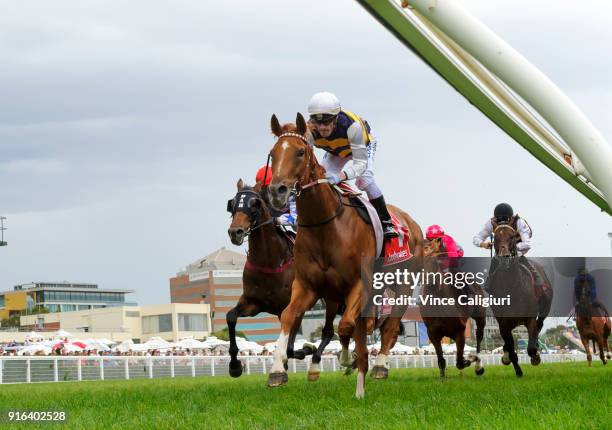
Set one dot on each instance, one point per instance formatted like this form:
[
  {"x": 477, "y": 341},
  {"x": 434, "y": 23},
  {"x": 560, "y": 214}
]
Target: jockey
[
  {"x": 503, "y": 213},
  {"x": 451, "y": 252},
  {"x": 584, "y": 275},
  {"x": 346, "y": 137},
  {"x": 289, "y": 218}
]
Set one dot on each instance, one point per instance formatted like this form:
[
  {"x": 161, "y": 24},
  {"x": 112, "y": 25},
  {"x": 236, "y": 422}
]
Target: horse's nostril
[
  {"x": 282, "y": 189},
  {"x": 239, "y": 232}
]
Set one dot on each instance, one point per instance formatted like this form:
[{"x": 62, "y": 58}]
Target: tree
[
  {"x": 554, "y": 337},
  {"x": 223, "y": 334},
  {"x": 318, "y": 332}
]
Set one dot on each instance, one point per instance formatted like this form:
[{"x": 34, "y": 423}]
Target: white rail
[{"x": 14, "y": 370}]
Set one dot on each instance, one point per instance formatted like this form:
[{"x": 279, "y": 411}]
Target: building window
[
  {"x": 84, "y": 307},
  {"x": 52, "y": 307},
  {"x": 192, "y": 322},
  {"x": 1, "y": 301},
  {"x": 132, "y": 313},
  {"x": 69, "y": 308},
  {"x": 157, "y": 323}
]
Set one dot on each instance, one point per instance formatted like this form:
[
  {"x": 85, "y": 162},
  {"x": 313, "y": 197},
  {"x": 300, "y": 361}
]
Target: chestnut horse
[
  {"x": 508, "y": 276},
  {"x": 268, "y": 273},
  {"x": 332, "y": 244},
  {"x": 450, "y": 321},
  {"x": 592, "y": 327}
]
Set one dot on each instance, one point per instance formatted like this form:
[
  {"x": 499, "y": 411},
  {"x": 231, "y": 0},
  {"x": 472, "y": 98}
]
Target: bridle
[
  {"x": 240, "y": 203},
  {"x": 305, "y": 183},
  {"x": 514, "y": 234}
]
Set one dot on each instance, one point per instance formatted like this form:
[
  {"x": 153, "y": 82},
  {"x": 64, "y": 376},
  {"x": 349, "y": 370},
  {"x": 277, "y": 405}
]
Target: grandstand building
[
  {"x": 217, "y": 280},
  {"x": 59, "y": 297}
]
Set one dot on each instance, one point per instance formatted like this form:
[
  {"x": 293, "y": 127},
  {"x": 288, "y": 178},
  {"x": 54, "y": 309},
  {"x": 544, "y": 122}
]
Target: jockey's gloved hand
[{"x": 334, "y": 178}]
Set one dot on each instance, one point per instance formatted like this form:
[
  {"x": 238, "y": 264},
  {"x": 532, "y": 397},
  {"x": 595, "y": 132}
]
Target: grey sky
[{"x": 124, "y": 126}]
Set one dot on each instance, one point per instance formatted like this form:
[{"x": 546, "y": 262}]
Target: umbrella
[
  {"x": 270, "y": 346},
  {"x": 190, "y": 343},
  {"x": 33, "y": 335},
  {"x": 79, "y": 344},
  {"x": 402, "y": 349},
  {"x": 213, "y": 342},
  {"x": 245, "y": 345},
  {"x": 32, "y": 349},
  {"x": 124, "y": 346}
]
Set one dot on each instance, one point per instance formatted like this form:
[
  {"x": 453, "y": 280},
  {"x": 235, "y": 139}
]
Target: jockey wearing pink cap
[{"x": 450, "y": 251}]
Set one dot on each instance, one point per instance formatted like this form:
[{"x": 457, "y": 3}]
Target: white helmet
[{"x": 323, "y": 105}]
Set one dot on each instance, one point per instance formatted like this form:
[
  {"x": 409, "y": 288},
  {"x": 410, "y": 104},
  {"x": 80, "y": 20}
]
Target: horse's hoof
[
  {"x": 505, "y": 361},
  {"x": 379, "y": 372},
  {"x": 277, "y": 379},
  {"x": 480, "y": 372},
  {"x": 535, "y": 360},
  {"x": 235, "y": 369},
  {"x": 313, "y": 376},
  {"x": 609, "y": 355},
  {"x": 519, "y": 373}
]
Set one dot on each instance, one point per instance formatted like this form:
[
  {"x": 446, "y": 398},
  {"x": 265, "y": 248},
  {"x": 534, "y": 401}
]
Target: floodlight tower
[{"x": 2, "y": 228}]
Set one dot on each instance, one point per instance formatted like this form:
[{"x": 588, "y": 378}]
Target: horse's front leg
[
  {"x": 331, "y": 309},
  {"x": 243, "y": 308},
  {"x": 462, "y": 363},
  {"x": 302, "y": 299},
  {"x": 532, "y": 345}
]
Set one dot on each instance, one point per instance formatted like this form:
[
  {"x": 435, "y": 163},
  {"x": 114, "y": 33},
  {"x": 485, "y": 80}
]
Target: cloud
[{"x": 125, "y": 125}]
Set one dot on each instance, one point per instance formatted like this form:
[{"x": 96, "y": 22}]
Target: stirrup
[{"x": 389, "y": 232}]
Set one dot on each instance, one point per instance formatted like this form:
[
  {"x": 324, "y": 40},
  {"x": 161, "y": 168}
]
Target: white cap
[{"x": 324, "y": 103}]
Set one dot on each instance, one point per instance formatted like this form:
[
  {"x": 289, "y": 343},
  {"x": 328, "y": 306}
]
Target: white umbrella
[
  {"x": 400, "y": 348},
  {"x": 107, "y": 341},
  {"x": 124, "y": 346},
  {"x": 245, "y": 345},
  {"x": 270, "y": 346},
  {"x": 190, "y": 343},
  {"x": 69, "y": 347},
  {"x": 93, "y": 344},
  {"x": 213, "y": 342},
  {"x": 158, "y": 343},
  {"x": 34, "y": 336},
  {"x": 429, "y": 348},
  {"x": 32, "y": 349}
]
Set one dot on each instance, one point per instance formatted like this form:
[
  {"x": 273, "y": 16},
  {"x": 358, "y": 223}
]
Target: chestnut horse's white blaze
[{"x": 280, "y": 354}]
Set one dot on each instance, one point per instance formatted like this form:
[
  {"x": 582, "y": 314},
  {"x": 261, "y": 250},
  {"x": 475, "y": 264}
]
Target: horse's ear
[
  {"x": 240, "y": 184},
  {"x": 275, "y": 126},
  {"x": 300, "y": 123},
  {"x": 258, "y": 186}
]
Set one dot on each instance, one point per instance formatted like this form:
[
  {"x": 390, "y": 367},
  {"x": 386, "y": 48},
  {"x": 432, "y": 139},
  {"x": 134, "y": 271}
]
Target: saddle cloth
[{"x": 393, "y": 251}]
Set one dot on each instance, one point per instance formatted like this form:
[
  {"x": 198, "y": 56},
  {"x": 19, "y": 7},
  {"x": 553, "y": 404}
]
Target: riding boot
[{"x": 385, "y": 219}]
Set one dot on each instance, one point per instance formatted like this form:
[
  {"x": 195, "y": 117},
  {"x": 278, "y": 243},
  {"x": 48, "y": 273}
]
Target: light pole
[
  {"x": 610, "y": 237},
  {"x": 2, "y": 228}
]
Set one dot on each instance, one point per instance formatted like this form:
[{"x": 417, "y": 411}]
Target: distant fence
[{"x": 30, "y": 369}]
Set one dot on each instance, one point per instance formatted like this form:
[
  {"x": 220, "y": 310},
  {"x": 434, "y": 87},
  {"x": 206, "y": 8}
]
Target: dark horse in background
[
  {"x": 268, "y": 273},
  {"x": 450, "y": 321},
  {"x": 593, "y": 325},
  {"x": 509, "y": 277}
]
